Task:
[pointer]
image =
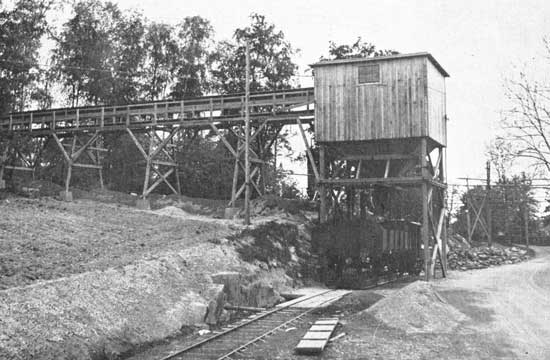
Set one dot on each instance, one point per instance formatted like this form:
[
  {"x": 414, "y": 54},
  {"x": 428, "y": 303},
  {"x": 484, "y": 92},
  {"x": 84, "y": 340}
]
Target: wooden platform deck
[{"x": 325, "y": 298}]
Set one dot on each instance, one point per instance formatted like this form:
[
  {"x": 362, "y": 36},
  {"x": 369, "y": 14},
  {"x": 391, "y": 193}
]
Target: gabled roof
[{"x": 383, "y": 58}]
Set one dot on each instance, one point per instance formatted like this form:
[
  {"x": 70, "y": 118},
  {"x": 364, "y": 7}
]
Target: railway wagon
[{"x": 355, "y": 252}]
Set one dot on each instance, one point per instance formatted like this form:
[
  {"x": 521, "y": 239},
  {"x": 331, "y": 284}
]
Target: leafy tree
[
  {"x": 359, "y": 49},
  {"x": 21, "y": 30},
  {"x": 194, "y": 57},
  {"x": 271, "y": 64},
  {"x": 99, "y": 54},
  {"x": 178, "y": 59},
  {"x": 271, "y": 68},
  {"x": 161, "y": 48},
  {"x": 509, "y": 199}
]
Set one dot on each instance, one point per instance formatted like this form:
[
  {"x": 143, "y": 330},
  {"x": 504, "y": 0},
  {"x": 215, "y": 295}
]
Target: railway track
[{"x": 237, "y": 337}]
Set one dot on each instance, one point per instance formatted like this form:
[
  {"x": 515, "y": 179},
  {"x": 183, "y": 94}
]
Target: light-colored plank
[
  {"x": 313, "y": 346},
  {"x": 317, "y": 335},
  {"x": 326, "y": 322},
  {"x": 321, "y": 328}
]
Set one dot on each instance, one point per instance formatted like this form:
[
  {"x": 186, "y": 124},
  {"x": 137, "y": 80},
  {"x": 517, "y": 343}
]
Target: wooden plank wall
[
  {"x": 395, "y": 108},
  {"x": 437, "y": 124}
]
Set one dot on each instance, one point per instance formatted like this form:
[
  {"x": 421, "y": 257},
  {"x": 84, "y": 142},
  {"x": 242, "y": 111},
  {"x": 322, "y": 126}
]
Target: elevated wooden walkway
[
  {"x": 79, "y": 131},
  {"x": 282, "y": 107}
]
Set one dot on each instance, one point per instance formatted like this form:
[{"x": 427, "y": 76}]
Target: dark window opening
[{"x": 369, "y": 74}]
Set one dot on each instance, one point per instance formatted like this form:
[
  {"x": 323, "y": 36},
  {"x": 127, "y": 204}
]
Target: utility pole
[
  {"x": 489, "y": 209},
  {"x": 247, "y": 139},
  {"x": 525, "y": 208},
  {"x": 468, "y": 205}
]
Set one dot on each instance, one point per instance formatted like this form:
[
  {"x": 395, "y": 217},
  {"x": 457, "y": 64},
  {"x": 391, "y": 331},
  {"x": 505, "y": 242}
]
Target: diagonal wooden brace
[{"x": 163, "y": 177}]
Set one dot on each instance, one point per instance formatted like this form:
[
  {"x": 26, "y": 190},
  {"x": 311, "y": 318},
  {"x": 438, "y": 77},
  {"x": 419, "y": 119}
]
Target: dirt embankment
[
  {"x": 91, "y": 280},
  {"x": 44, "y": 239}
]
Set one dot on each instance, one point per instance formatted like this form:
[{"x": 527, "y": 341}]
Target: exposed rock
[
  {"x": 215, "y": 305},
  {"x": 232, "y": 285},
  {"x": 483, "y": 256}
]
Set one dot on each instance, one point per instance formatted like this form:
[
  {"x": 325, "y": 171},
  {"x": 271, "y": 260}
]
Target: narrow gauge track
[{"x": 236, "y": 337}]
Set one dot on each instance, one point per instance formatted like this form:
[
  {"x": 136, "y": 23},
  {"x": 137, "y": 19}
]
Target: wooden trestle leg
[{"x": 92, "y": 147}]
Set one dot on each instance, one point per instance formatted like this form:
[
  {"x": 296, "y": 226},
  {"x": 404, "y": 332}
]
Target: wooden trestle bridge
[
  {"x": 383, "y": 118},
  {"x": 79, "y": 131}
]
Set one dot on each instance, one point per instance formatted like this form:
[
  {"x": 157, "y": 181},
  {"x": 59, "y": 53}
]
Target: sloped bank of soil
[
  {"x": 46, "y": 239},
  {"x": 95, "y": 281},
  {"x": 103, "y": 314}
]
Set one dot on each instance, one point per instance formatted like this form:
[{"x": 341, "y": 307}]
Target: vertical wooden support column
[
  {"x": 489, "y": 206},
  {"x": 322, "y": 186},
  {"x": 70, "y": 167},
  {"x": 247, "y": 140},
  {"x": 235, "y": 175},
  {"x": 148, "y": 166},
  {"x": 425, "y": 232},
  {"x": 444, "y": 234},
  {"x": 3, "y": 160}
]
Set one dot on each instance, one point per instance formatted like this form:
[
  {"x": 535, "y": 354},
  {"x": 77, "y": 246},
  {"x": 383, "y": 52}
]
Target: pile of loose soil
[
  {"x": 481, "y": 257},
  {"x": 416, "y": 308}
]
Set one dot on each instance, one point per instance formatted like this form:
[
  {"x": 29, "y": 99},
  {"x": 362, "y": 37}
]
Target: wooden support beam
[
  {"x": 165, "y": 163},
  {"x": 404, "y": 181},
  {"x": 378, "y": 157},
  {"x": 424, "y": 230},
  {"x": 308, "y": 150},
  {"x": 224, "y": 140},
  {"x": 438, "y": 246},
  {"x": 147, "y": 168},
  {"x": 137, "y": 143},
  {"x": 164, "y": 142},
  {"x": 88, "y": 166},
  {"x": 79, "y": 152},
  {"x": 322, "y": 186},
  {"x": 19, "y": 168},
  {"x": 243, "y": 186},
  {"x": 164, "y": 177},
  {"x": 387, "y": 169},
  {"x": 60, "y": 145}
]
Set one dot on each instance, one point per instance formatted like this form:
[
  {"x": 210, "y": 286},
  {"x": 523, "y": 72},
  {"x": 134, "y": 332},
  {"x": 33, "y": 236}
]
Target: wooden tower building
[{"x": 385, "y": 118}]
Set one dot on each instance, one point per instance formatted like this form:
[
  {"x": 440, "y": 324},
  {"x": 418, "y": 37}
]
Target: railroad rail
[
  {"x": 282, "y": 106},
  {"x": 235, "y": 338}
]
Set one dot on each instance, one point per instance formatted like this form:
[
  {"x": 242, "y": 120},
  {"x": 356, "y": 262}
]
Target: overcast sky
[{"x": 479, "y": 43}]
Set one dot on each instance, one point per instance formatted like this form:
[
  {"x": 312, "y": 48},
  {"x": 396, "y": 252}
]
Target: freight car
[{"x": 357, "y": 252}]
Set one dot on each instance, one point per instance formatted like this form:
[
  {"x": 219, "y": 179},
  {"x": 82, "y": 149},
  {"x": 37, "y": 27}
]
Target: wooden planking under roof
[{"x": 384, "y": 58}]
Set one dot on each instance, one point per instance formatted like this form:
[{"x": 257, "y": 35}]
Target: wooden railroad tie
[{"x": 317, "y": 337}]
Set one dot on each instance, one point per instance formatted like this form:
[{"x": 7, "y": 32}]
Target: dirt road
[{"x": 510, "y": 303}]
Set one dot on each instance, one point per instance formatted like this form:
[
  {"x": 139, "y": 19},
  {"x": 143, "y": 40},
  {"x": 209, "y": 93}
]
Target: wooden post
[
  {"x": 148, "y": 166},
  {"x": 70, "y": 166},
  {"x": 425, "y": 231},
  {"x": 489, "y": 210},
  {"x": 526, "y": 220},
  {"x": 444, "y": 203},
  {"x": 235, "y": 176},
  {"x": 3, "y": 164},
  {"x": 247, "y": 139},
  {"x": 322, "y": 186}
]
